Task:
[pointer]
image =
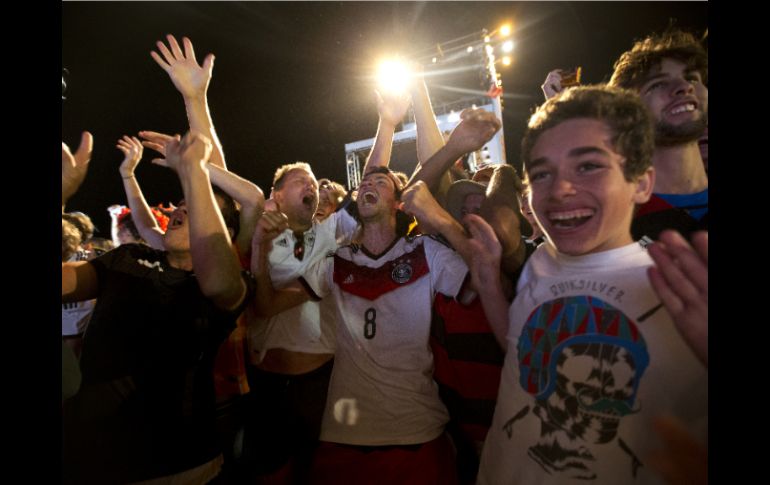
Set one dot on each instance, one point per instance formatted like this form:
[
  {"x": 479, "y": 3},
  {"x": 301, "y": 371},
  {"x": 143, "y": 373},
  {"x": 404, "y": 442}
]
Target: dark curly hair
[
  {"x": 622, "y": 111},
  {"x": 633, "y": 67}
]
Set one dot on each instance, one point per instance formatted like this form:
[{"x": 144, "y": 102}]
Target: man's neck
[
  {"x": 300, "y": 226},
  {"x": 180, "y": 260},
  {"x": 679, "y": 169},
  {"x": 378, "y": 234}
]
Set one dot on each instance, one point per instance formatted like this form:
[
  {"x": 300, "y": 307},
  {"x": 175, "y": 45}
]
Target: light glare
[
  {"x": 392, "y": 76},
  {"x": 508, "y": 46}
]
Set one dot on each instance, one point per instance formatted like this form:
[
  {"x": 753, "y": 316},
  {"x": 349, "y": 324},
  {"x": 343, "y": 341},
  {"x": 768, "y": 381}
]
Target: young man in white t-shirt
[{"x": 592, "y": 354}]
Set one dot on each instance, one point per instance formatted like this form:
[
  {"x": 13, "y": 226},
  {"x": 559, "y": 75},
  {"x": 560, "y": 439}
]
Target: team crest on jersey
[{"x": 401, "y": 273}]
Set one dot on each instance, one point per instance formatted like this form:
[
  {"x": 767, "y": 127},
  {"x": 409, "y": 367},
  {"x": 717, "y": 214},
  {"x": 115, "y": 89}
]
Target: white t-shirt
[
  {"x": 307, "y": 327},
  {"x": 381, "y": 390},
  {"x": 592, "y": 357}
]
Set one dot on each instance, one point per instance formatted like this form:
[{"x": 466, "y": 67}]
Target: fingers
[
  {"x": 669, "y": 298},
  {"x": 685, "y": 267},
  {"x": 155, "y": 136},
  {"x": 163, "y": 64},
  {"x": 167, "y": 55},
  {"x": 178, "y": 55},
  {"x": 189, "y": 52},
  {"x": 83, "y": 154},
  {"x": 270, "y": 205},
  {"x": 700, "y": 242},
  {"x": 480, "y": 230},
  {"x": 208, "y": 63},
  {"x": 155, "y": 146}
]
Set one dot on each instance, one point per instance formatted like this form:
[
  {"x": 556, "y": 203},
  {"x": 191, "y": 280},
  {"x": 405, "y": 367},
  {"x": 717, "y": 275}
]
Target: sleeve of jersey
[
  {"x": 447, "y": 268},
  {"x": 345, "y": 225},
  {"x": 317, "y": 277}
]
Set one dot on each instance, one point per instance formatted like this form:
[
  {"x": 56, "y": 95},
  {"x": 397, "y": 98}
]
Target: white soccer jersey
[
  {"x": 308, "y": 327},
  {"x": 381, "y": 390},
  {"x": 592, "y": 358},
  {"x": 76, "y": 315}
]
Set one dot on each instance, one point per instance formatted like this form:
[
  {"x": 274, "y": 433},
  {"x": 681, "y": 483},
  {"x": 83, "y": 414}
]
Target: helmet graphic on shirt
[{"x": 565, "y": 322}]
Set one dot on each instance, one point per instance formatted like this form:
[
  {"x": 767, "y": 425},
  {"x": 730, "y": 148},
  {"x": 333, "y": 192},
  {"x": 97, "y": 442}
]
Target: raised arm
[
  {"x": 268, "y": 301},
  {"x": 391, "y": 109},
  {"x": 429, "y": 136},
  {"x": 141, "y": 213},
  {"x": 485, "y": 273},
  {"x": 247, "y": 194},
  {"x": 192, "y": 82},
  {"x": 214, "y": 261},
  {"x": 75, "y": 166},
  {"x": 477, "y": 127},
  {"x": 418, "y": 202}
]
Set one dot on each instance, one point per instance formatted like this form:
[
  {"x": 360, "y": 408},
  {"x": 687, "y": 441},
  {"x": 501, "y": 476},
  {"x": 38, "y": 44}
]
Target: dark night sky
[{"x": 290, "y": 77}]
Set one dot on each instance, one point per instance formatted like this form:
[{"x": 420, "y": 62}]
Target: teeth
[
  {"x": 683, "y": 108},
  {"x": 574, "y": 214}
]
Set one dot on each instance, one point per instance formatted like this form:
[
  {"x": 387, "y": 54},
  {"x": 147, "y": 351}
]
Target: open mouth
[
  {"x": 308, "y": 201},
  {"x": 570, "y": 219},
  {"x": 176, "y": 221},
  {"x": 682, "y": 108},
  {"x": 369, "y": 198}
]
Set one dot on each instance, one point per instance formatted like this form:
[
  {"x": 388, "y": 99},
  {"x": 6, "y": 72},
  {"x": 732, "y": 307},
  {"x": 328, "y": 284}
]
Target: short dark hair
[
  {"x": 399, "y": 178},
  {"x": 622, "y": 110},
  {"x": 633, "y": 67}
]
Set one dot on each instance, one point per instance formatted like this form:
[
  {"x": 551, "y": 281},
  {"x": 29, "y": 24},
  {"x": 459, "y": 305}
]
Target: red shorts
[{"x": 422, "y": 464}]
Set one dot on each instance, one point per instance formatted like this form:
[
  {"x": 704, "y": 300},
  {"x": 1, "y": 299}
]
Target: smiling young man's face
[
  {"x": 579, "y": 193},
  {"x": 298, "y": 196},
  {"x": 678, "y": 101}
]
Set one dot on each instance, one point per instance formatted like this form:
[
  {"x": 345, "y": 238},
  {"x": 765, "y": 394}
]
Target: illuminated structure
[{"x": 474, "y": 52}]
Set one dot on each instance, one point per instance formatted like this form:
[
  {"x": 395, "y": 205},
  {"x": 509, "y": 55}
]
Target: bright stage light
[
  {"x": 453, "y": 116},
  {"x": 469, "y": 49},
  {"x": 506, "y": 61},
  {"x": 392, "y": 76},
  {"x": 486, "y": 39},
  {"x": 508, "y": 46},
  {"x": 505, "y": 30}
]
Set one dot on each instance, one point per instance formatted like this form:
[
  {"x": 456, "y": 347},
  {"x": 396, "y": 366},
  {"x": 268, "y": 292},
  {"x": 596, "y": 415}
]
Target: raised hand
[
  {"x": 189, "y": 78},
  {"x": 487, "y": 252},
  {"x": 192, "y": 149},
  {"x": 158, "y": 142},
  {"x": 392, "y": 107},
  {"x": 75, "y": 166},
  {"x": 477, "y": 127},
  {"x": 132, "y": 151},
  {"x": 271, "y": 224},
  {"x": 417, "y": 201},
  {"x": 680, "y": 279}
]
